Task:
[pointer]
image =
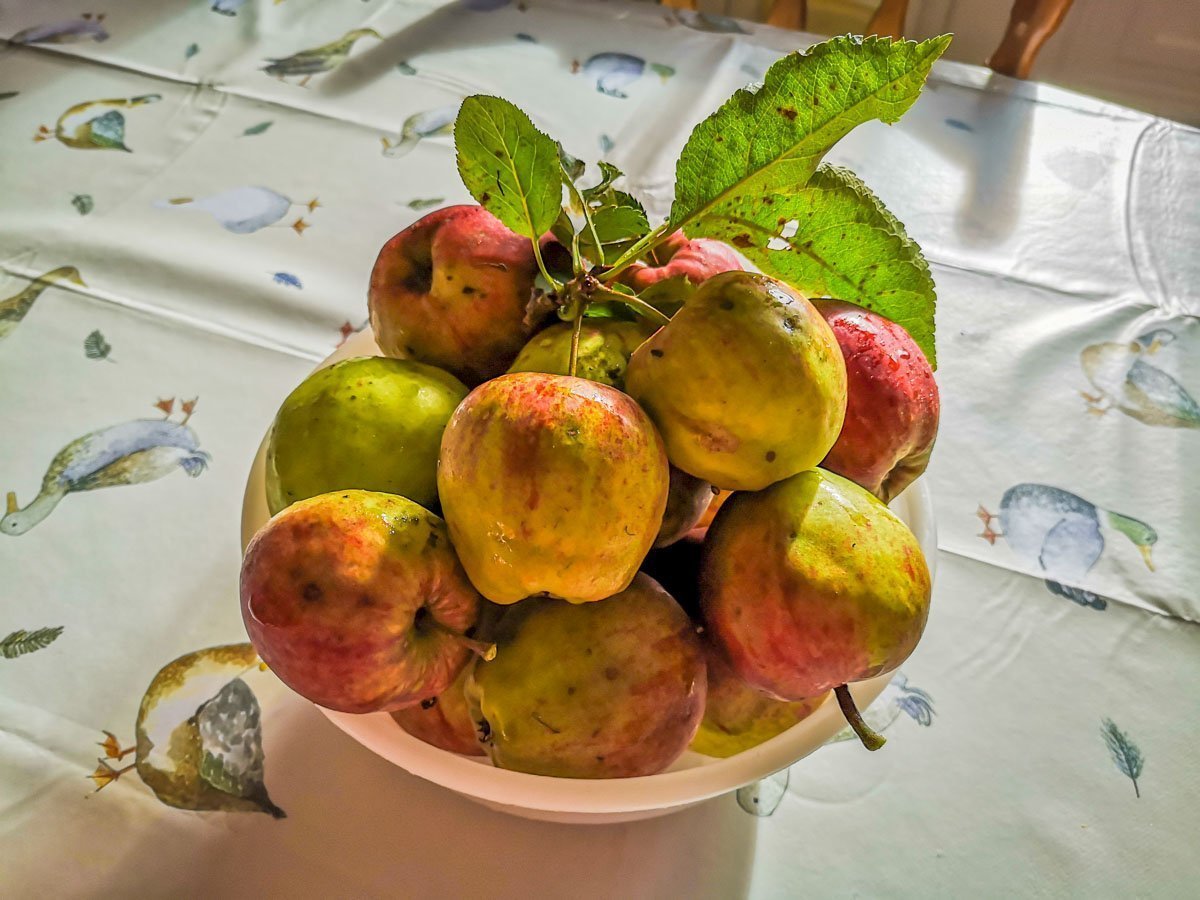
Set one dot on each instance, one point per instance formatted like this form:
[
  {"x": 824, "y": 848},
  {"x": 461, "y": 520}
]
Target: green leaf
[
  {"x": 572, "y": 166},
  {"x": 770, "y": 140},
  {"x": 833, "y": 238},
  {"x": 420, "y": 203},
  {"x": 608, "y": 174},
  {"x": 192, "y": 50},
  {"x": 83, "y": 203},
  {"x": 662, "y": 71},
  {"x": 617, "y": 227},
  {"x": 21, "y": 642},
  {"x": 1126, "y": 755},
  {"x": 257, "y": 129},
  {"x": 509, "y": 166}
]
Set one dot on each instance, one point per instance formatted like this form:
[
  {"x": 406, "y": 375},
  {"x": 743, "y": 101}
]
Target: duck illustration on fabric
[
  {"x": 86, "y": 27},
  {"x": 1061, "y": 534},
  {"x": 898, "y": 697},
  {"x": 245, "y": 210},
  {"x": 14, "y": 309},
  {"x": 418, "y": 126},
  {"x": 198, "y": 736},
  {"x": 94, "y": 124},
  {"x": 129, "y": 453},
  {"x": 316, "y": 60},
  {"x": 1124, "y": 380}
]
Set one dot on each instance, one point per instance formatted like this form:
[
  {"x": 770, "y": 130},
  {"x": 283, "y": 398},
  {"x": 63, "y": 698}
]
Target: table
[{"x": 209, "y": 237}]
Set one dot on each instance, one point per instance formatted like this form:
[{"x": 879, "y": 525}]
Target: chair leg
[
  {"x": 888, "y": 20},
  {"x": 789, "y": 14},
  {"x": 1030, "y": 25}
]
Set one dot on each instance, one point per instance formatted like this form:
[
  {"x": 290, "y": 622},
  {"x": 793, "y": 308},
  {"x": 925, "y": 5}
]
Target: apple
[
  {"x": 746, "y": 383},
  {"x": 892, "y": 404},
  {"x": 356, "y": 601},
  {"x": 671, "y": 272},
  {"x": 370, "y": 423},
  {"x": 688, "y": 499},
  {"x": 551, "y": 484},
  {"x": 812, "y": 584},
  {"x": 443, "y": 721},
  {"x": 605, "y": 346},
  {"x": 611, "y": 689},
  {"x": 451, "y": 290}
]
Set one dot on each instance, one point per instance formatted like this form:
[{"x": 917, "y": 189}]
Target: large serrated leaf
[
  {"x": 833, "y": 238},
  {"x": 509, "y": 166},
  {"x": 772, "y": 139}
]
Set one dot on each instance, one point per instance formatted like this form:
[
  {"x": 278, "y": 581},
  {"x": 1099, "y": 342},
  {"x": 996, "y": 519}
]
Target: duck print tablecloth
[{"x": 191, "y": 198}]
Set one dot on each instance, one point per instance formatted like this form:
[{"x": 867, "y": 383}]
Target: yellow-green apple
[
  {"x": 892, "y": 403},
  {"x": 451, "y": 290},
  {"x": 611, "y": 689},
  {"x": 813, "y": 584},
  {"x": 551, "y": 484},
  {"x": 605, "y": 346},
  {"x": 746, "y": 383},
  {"x": 356, "y": 601},
  {"x": 370, "y": 423},
  {"x": 738, "y": 717}
]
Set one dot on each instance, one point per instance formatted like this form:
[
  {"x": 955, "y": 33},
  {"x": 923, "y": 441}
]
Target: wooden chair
[{"x": 1030, "y": 25}]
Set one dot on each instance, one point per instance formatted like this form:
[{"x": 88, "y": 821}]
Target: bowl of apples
[{"x": 599, "y": 521}]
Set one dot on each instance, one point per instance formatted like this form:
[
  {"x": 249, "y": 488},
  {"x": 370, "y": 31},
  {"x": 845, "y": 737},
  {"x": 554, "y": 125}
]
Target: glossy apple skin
[
  {"x": 551, "y": 484},
  {"x": 451, "y": 290},
  {"x": 338, "y": 595},
  {"x": 676, "y": 267},
  {"x": 892, "y": 404},
  {"x": 370, "y": 423},
  {"x": 688, "y": 498},
  {"x": 612, "y": 689},
  {"x": 443, "y": 721},
  {"x": 737, "y": 717},
  {"x": 811, "y": 584},
  {"x": 605, "y": 346},
  {"x": 746, "y": 383}
]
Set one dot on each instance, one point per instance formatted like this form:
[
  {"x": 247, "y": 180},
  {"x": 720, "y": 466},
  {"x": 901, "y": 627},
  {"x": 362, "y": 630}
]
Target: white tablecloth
[{"x": 1054, "y": 224}]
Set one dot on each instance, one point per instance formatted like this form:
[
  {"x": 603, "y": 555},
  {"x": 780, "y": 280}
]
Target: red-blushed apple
[
  {"x": 813, "y": 584},
  {"x": 551, "y": 484},
  {"x": 356, "y": 601},
  {"x": 688, "y": 497},
  {"x": 892, "y": 403},
  {"x": 737, "y": 717},
  {"x": 675, "y": 267},
  {"x": 443, "y": 721},
  {"x": 451, "y": 290},
  {"x": 605, "y": 346},
  {"x": 611, "y": 689}
]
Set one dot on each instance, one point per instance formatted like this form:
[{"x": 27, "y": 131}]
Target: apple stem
[
  {"x": 576, "y": 328},
  {"x": 640, "y": 248},
  {"x": 871, "y": 739},
  {"x": 483, "y": 649}
]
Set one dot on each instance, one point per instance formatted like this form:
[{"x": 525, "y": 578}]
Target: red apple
[
  {"x": 356, "y": 600},
  {"x": 676, "y": 266},
  {"x": 892, "y": 402},
  {"x": 451, "y": 290},
  {"x": 443, "y": 721}
]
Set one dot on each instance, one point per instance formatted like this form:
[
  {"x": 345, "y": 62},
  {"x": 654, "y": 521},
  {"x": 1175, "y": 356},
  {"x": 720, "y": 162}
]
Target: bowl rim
[{"x": 692, "y": 779}]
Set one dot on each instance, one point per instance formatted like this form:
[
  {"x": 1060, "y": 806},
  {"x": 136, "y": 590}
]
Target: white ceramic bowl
[{"x": 690, "y": 780}]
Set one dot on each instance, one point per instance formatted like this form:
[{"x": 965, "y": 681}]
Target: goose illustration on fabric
[
  {"x": 94, "y": 124},
  {"x": 1125, "y": 381},
  {"x": 710, "y": 22},
  {"x": 244, "y": 210},
  {"x": 613, "y": 72},
  {"x": 86, "y": 27},
  {"x": 1060, "y": 533},
  {"x": 418, "y": 126},
  {"x": 128, "y": 453},
  {"x": 198, "y": 736},
  {"x": 898, "y": 697},
  {"x": 316, "y": 60},
  {"x": 15, "y": 308},
  {"x": 227, "y": 7}
]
